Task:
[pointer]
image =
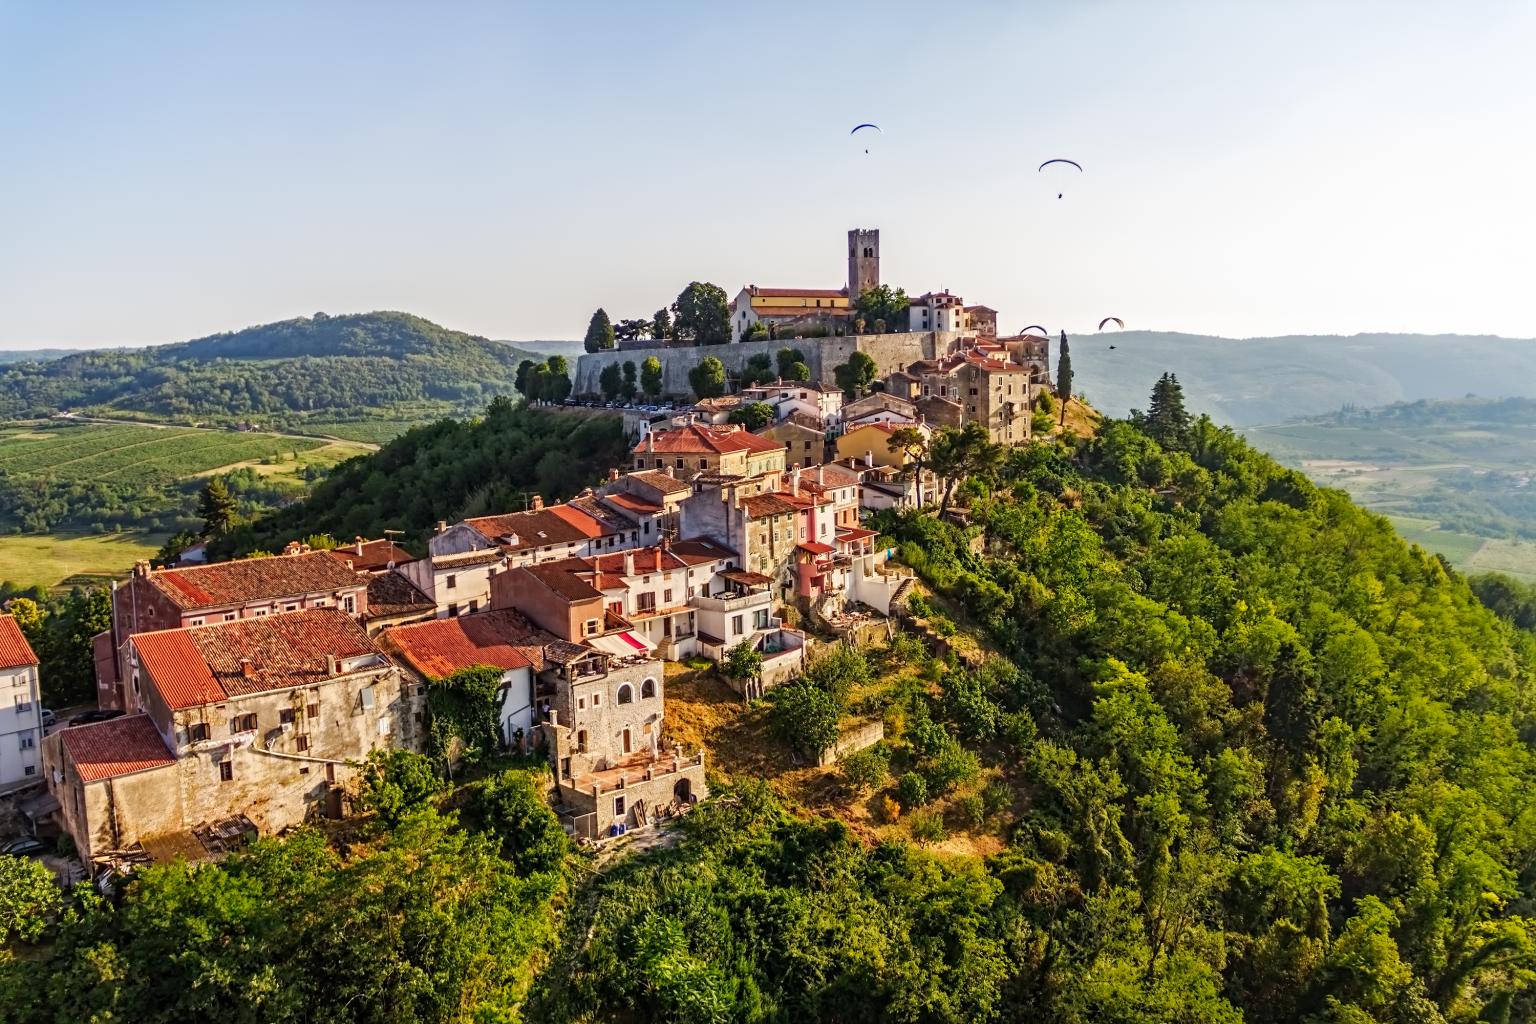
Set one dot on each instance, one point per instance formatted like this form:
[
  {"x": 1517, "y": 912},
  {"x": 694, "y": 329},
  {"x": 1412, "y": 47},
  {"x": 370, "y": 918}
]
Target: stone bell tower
[{"x": 863, "y": 261}]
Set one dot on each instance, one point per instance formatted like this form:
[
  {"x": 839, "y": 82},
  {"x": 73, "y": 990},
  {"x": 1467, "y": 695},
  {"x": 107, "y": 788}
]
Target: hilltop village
[{"x": 241, "y": 698}]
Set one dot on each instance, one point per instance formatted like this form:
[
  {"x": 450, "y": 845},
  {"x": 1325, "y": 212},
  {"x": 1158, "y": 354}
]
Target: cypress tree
[
  {"x": 599, "y": 333},
  {"x": 1064, "y": 376},
  {"x": 1166, "y": 418}
]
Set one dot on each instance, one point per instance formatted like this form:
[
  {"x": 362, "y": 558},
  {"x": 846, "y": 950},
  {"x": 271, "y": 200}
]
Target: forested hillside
[
  {"x": 448, "y": 470},
  {"x": 1221, "y": 749},
  {"x": 312, "y": 369}
]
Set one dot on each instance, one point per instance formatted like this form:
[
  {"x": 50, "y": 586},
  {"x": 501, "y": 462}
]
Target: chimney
[
  {"x": 629, "y": 562},
  {"x": 141, "y": 568},
  {"x": 869, "y": 457},
  {"x": 536, "y": 503},
  {"x": 666, "y": 542},
  {"x": 820, "y": 475},
  {"x": 442, "y": 526},
  {"x": 247, "y": 668},
  {"x": 359, "y": 546},
  {"x": 613, "y": 474},
  {"x": 331, "y": 666}
]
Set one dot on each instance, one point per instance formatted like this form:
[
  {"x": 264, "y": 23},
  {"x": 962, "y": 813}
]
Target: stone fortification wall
[{"x": 890, "y": 352}]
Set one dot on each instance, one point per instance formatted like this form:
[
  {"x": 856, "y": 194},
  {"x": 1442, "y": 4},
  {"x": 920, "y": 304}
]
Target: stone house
[
  {"x": 158, "y": 599},
  {"x": 788, "y": 309},
  {"x": 803, "y": 445},
  {"x": 371, "y": 556},
  {"x": 871, "y": 442},
  {"x": 695, "y": 449},
  {"x": 612, "y": 763},
  {"x": 21, "y": 708},
  {"x": 261, "y": 717},
  {"x": 982, "y": 320},
  {"x": 499, "y": 639}
]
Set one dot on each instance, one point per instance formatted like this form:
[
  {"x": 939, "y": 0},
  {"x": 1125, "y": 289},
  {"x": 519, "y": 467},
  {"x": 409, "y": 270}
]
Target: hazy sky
[{"x": 172, "y": 170}]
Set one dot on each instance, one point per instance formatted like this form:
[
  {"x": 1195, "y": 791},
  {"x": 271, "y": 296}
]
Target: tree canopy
[
  {"x": 600, "y": 333},
  {"x": 708, "y": 378},
  {"x": 702, "y": 314}
]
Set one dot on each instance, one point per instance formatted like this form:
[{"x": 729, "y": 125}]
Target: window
[
  {"x": 474, "y": 605},
  {"x": 581, "y": 741},
  {"x": 349, "y": 603},
  {"x": 30, "y": 769},
  {"x": 301, "y": 743},
  {"x": 285, "y": 716},
  {"x": 226, "y": 771},
  {"x": 626, "y": 739},
  {"x": 736, "y": 625},
  {"x": 666, "y": 595},
  {"x": 590, "y": 627},
  {"x": 703, "y": 463},
  {"x": 618, "y": 807},
  {"x": 679, "y": 463},
  {"x": 617, "y": 607},
  {"x": 450, "y": 583},
  {"x": 760, "y": 619},
  {"x": 597, "y": 700},
  {"x": 313, "y": 711},
  {"x": 565, "y": 767},
  {"x": 648, "y": 688},
  {"x": 453, "y": 610},
  {"x": 626, "y": 694},
  {"x": 973, "y": 391},
  {"x": 367, "y": 697},
  {"x": 242, "y": 723},
  {"x": 262, "y": 611},
  {"x": 581, "y": 703},
  {"x": 231, "y": 616},
  {"x": 195, "y": 622},
  {"x": 290, "y": 607},
  {"x": 23, "y": 704},
  {"x": 646, "y": 602},
  {"x": 27, "y": 742},
  {"x": 197, "y": 732}
]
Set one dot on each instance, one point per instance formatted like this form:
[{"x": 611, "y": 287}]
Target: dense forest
[
  {"x": 449, "y": 470},
  {"x": 319, "y": 368},
  {"x": 1243, "y": 756}
]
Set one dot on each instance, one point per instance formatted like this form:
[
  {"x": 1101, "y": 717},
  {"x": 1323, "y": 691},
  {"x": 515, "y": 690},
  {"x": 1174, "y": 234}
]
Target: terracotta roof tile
[
  {"x": 14, "y": 649},
  {"x": 254, "y": 579},
  {"x": 658, "y": 480},
  {"x": 119, "y": 747},
  {"x": 502, "y": 639},
  {"x": 536, "y": 528},
  {"x": 202, "y": 664},
  {"x": 759, "y": 505},
  {"x": 391, "y": 594},
  {"x": 376, "y": 555},
  {"x": 792, "y": 293},
  {"x": 702, "y": 439}
]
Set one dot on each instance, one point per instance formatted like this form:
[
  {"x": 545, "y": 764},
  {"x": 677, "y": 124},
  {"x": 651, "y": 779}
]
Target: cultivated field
[
  {"x": 59, "y": 560},
  {"x": 114, "y": 451}
]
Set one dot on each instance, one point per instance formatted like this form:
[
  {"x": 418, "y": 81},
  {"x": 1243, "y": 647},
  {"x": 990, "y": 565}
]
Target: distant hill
[
  {"x": 32, "y": 355},
  {"x": 550, "y": 347},
  {"x": 1266, "y": 380},
  {"x": 308, "y": 370}
]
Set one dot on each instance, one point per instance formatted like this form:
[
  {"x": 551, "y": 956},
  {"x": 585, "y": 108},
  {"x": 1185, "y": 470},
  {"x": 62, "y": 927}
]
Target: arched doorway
[{"x": 683, "y": 791}]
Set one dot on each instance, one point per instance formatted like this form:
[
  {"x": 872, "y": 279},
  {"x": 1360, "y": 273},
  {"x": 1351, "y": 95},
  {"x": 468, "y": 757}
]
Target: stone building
[
  {"x": 803, "y": 445},
  {"x": 613, "y": 764},
  {"x": 21, "y": 708},
  {"x": 262, "y": 717},
  {"x": 157, "y": 599},
  {"x": 696, "y": 448}
]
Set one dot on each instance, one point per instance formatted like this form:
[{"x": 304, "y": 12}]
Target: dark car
[
  {"x": 98, "y": 715},
  {"x": 25, "y": 846}
]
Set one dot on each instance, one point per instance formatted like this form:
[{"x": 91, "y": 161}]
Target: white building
[
  {"x": 821, "y": 402},
  {"x": 21, "y": 708},
  {"x": 936, "y": 311}
]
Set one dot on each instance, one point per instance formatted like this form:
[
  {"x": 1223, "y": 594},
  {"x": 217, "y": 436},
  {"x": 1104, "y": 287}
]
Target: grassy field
[
  {"x": 69, "y": 560},
  {"x": 132, "y": 453},
  {"x": 1468, "y": 553},
  {"x": 375, "y": 432}
]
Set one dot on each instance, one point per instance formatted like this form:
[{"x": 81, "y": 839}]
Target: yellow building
[{"x": 871, "y": 444}]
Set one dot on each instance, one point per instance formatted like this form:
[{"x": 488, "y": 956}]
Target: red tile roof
[
  {"x": 791, "y": 293},
  {"x": 659, "y": 480},
  {"x": 759, "y": 505},
  {"x": 816, "y": 548},
  {"x": 14, "y": 649},
  {"x": 501, "y": 639},
  {"x": 391, "y": 594},
  {"x": 119, "y": 747},
  {"x": 536, "y": 528},
  {"x": 376, "y": 555},
  {"x": 206, "y": 664},
  {"x": 254, "y": 579},
  {"x": 629, "y": 503},
  {"x": 702, "y": 439}
]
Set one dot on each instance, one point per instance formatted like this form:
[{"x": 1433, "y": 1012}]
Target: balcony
[{"x": 731, "y": 602}]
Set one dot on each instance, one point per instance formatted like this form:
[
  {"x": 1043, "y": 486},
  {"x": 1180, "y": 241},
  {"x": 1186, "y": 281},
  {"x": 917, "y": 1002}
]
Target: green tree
[
  {"x": 661, "y": 325},
  {"x": 957, "y": 454},
  {"x": 866, "y": 769},
  {"x": 465, "y": 714},
  {"x": 512, "y": 807},
  {"x": 1165, "y": 421},
  {"x": 804, "y": 716},
  {"x": 630, "y": 388},
  {"x": 29, "y": 899},
  {"x": 913, "y": 445},
  {"x": 787, "y": 359},
  {"x": 883, "y": 304},
  {"x": 703, "y": 314},
  {"x": 759, "y": 370},
  {"x": 708, "y": 378},
  {"x": 611, "y": 380},
  {"x": 631, "y": 330},
  {"x": 394, "y": 782},
  {"x": 651, "y": 377},
  {"x": 174, "y": 545},
  {"x": 856, "y": 375},
  {"x": 797, "y": 372},
  {"x": 755, "y": 416},
  {"x": 600, "y": 334},
  {"x": 743, "y": 662},
  {"x": 216, "y": 507},
  {"x": 1064, "y": 377},
  {"x": 524, "y": 373},
  {"x": 556, "y": 385}
]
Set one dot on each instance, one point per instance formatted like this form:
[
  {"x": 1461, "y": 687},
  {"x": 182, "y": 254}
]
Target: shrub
[
  {"x": 839, "y": 672},
  {"x": 743, "y": 662},
  {"x": 918, "y": 605},
  {"x": 950, "y": 767},
  {"x": 997, "y": 797},
  {"x": 395, "y": 781},
  {"x": 912, "y": 790},
  {"x": 942, "y": 625},
  {"x": 804, "y": 716},
  {"x": 890, "y": 810},
  {"x": 866, "y": 769},
  {"x": 512, "y": 807},
  {"x": 928, "y": 827},
  {"x": 972, "y": 809}
]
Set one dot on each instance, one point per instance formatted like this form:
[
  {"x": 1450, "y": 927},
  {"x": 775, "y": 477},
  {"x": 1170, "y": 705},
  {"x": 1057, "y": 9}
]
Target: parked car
[
  {"x": 25, "y": 846},
  {"x": 98, "y": 715},
  {"x": 49, "y": 718}
]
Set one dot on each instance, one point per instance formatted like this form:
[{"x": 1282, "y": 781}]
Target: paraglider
[
  {"x": 1108, "y": 319},
  {"x": 1036, "y": 327},
  {"x": 867, "y": 126},
  {"x": 1060, "y": 160}
]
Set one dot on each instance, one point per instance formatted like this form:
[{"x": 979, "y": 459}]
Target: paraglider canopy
[
  {"x": 1060, "y": 160},
  {"x": 866, "y": 126},
  {"x": 1036, "y": 327},
  {"x": 1109, "y": 319}
]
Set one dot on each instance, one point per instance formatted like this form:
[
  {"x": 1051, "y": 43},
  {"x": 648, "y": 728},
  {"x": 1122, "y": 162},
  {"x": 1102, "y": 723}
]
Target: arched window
[
  {"x": 648, "y": 688},
  {"x": 626, "y": 694}
]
